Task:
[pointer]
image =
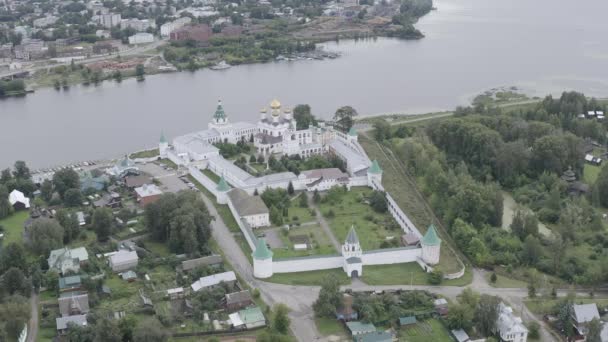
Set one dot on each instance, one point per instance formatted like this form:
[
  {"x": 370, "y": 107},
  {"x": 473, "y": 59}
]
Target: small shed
[
  {"x": 129, "y": 276},
  {"x": 441, "y": 306},
  {"x": 358, "y": 328},
  {"x": 410, "y": 239},
  {"x": 460, "y": 335},
  {"x": 407, "y": 320}
]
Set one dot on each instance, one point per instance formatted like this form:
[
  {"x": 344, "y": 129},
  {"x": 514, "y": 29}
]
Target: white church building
[{"x": 276, "y": 133}]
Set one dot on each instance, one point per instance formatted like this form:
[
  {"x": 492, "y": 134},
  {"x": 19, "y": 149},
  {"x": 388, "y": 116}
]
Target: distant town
[{"x": 62, "y": 43}]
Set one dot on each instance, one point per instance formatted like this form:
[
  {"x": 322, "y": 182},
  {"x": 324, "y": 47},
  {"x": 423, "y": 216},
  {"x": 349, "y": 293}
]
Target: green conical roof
[
  {"x": 222, "y": 185},
  {"x": 375, "y": 168},
  {"x": 352, "y": 132},
  {"x": 162, "y": 137},
  {"x": 431, "y": 238},
  {"x": 261, "y": 250},
  {"x": 219, "y": 111},
  {"x": 352, "y": 237}
]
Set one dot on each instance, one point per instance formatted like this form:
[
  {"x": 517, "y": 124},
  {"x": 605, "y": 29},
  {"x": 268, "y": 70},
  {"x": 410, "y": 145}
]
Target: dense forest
[{"x": 464, "y": 163}]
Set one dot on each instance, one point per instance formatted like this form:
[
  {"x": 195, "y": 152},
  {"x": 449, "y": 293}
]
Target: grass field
[
  {"x": 404, "y": 274},
  {"x": 351, "y": 211},
  {"x": 13, "y": 226},
  {"x": 502, "y": 281},
  {"x": 590, "y": 173},
  {"x": 330, "y": 326},
  {"x": 425, "y": 331},
  {"x": 145, "y": 154},
  {"x": 543, "y": 306},
  {"x": 406, "y": 196},
  {"x": 309, "y": 278},
  {"x": 321, "y": 244},
  {"x": 303, "y": 214},
  {"x": 215, "y": 178}
]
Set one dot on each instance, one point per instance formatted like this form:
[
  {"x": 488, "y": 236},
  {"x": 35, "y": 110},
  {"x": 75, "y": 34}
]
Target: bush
[
  {"x": 330, "y": 214},
  {"x": 533, "y": 330},
  {"x": 435, "y": 277}
]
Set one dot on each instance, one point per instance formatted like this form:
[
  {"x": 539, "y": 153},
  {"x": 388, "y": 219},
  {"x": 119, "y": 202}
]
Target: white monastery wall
[
  {"x": 391, "y": 256},
  {"x": 307, "y": 264}
]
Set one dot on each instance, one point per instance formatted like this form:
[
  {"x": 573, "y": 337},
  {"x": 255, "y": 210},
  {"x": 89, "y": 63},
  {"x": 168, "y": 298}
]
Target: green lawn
[
  {"x": 424, "y": 331},
  {"x": 404, "y": 193},
  {"x": 303, "y": 214},
  {"x": 350, "y": 211},
  {"x": 590, "y": 173},
  {"x": 319, "y": 240},
  {"x": 145, "y": 154},
  {"x": 158, "y": 248},
  {"x": 330, "y": 326},
  {"x": 124, "y": 297},
  {"x": 215, "y": 178},
  {"x": 404, "y": 274},
  {"x": 309, "y": 278},
  {"x": 13, "y": 226},
  {"x": 502, "y": 281}
]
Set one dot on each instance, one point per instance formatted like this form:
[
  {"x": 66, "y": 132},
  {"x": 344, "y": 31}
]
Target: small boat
[{"x": 221, "y": 66}]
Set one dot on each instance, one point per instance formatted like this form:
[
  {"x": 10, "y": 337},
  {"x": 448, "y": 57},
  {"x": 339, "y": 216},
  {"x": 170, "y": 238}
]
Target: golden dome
[
  {"x": 287, "y": 110},
  {"x": 275, "y": 104},
  {"x": 263, "y": 110}
]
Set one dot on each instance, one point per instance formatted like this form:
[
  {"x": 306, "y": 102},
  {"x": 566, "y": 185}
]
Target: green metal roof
[
  {"x": 252, "y": 315},
  {"x": 352, "y": 132},
  {"x": 352, "y": 237},
  {"x": 431, "y": 238},
  {"x": 360, "y": 328},
  {"x": 261, "y": 250},
  {"x": 222, "y": 185},
  {"x": 375, "y": 168},
  {"x": 219, "y": 112},
  {"x": 376, "y": 336},
  {"x": 407, "y": 320},
  {"x": 162, "y": 137}
]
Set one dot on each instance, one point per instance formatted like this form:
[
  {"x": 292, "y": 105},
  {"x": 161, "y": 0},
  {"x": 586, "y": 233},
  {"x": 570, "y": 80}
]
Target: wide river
[{"x": 542, "y": 46}]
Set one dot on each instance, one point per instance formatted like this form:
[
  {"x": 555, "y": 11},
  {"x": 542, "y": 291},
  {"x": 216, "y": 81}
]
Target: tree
[
  {"x": 303, "y": 116},
  {"x": 140, "y": 72},
  {"x": 5, "y": 206},
  {"x": 382, "y": 130},
  {"x": 531, "y": 250},
  {"x": 46, "y": 190},
  {"x": 486, "y": 314},
  {"x": 276, "y": 216},
  {"x": 290, "y": 189},
  {"x": 594, "y": 331},
  {"x": 70, "y": 224},
  {"x": 14, "y": 314},
  {"x": 45, "y": 235},
  {"x": 106, "y": 330},
  {"x": 252, "y": 159},
  {"x": 13, "y": 255},
  {"x": 460, "y": 317},
  {"x": 51, "y": 280},
  {"x": 601, "y": 184},
  {"x": 65, "y": 179},
  {"x": 344, "y": 118},
  {"x": 534, "y": 330},
  {"x": 377, "y": 200},
  {"x": 21, "y": 171},
  {"x": 280, "y": 321},
  {"x": 127, "y": 325},
  {"x": 72, "y": 197},
  {"x": 316, "y": 198},
  {"x": 493, "y": 278},
  {"x": 102, "y": 223},
  {"x": 435, "y": 277},
  {"x": 150, "y": 330},
  {"x": 330, "y": 298},
  {"x": 14, "y": 281}
]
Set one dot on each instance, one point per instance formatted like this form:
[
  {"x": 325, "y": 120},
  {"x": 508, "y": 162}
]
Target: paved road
[
  {"x": 32, "y": 332},
  {"x": 298, "y": 298}
]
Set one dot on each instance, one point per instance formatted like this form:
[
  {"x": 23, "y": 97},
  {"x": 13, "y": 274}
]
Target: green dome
[
  {"x": 431, "y": 238},
  {"x": 222, "y": 185},
  {"x": 352, "y": 132},
  {"x": 162, "y": 137},
  {"x": 375, "y": 168},
  {"x": 219, "y": 112},
  {"x": 261, "y": 250}
]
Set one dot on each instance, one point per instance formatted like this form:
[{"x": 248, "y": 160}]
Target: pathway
[
  {"x": 323, "y": 223},
  {"x": 32, "y": 332}
]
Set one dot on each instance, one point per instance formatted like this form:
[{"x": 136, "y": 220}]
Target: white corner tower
[
  {"x": 352, "y": 134},
  {"x": 374, "y": 175},
  {"x": 262, "y": 260},
  {"x": 222, "y": 191},
  {"x": 163, "y": 146},
  {"x": 431, "y": 246},
  {"x": 351, "y": 251}
]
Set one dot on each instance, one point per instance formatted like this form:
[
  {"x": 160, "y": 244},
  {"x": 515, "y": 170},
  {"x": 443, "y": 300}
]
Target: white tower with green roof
[
  {"x": 352, "y": 253},
  {"x": 431, "y": 246},
  {"x": 163, "y": 146},
  {"x": 262, "y": 260},
  {"x": 374, "y": 174},
  {"x": 222, "y": 191},
  {"x": 220, "y": 119}
]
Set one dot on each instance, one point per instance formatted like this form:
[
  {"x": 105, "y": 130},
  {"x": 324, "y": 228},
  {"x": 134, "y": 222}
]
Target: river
[{"x": 541, "y": 46}]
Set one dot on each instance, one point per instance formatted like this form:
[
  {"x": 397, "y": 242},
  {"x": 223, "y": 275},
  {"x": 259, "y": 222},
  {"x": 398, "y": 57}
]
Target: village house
[
  {"x": 441, "y": 306},
  {"x": 248, "y": 319},
  {"x": 214, "y": 280},
  {"x": 323, "y": 179},
  {"x": 358, "y": 328},
  {"x": 147, "y": 193},
  {"x": 66, "y": 260},
  {"x": 238, "y": 300},
  {"x": 123, "y": 261},
  {"x": 250, "y": 208},
  {"x": 175, "y": 293},
  {"x": 70, "y": 284},
  {"x": 63, "y": 322},
  {"x": 73, "y": 304},
  {"x": 18, "y": 200},
  {"x": 582, "y": 314},
  {"x": 510, "y": 327},
  {"x": 199, "y": 33},
  {"x": 109, "y": 200},
  {"x": 136, "y": 181}
]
